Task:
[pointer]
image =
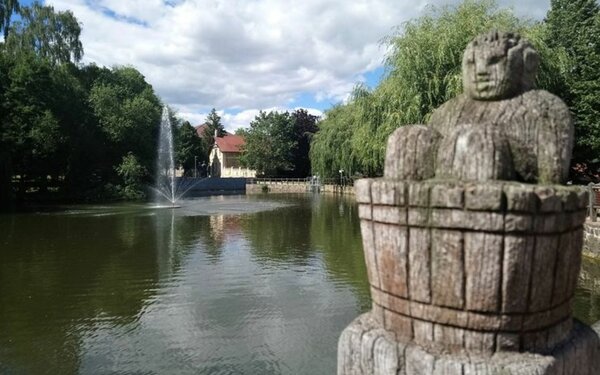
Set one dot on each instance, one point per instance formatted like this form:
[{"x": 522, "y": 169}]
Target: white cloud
[
  {"x": 246, "y": 55},
  {"x": 242, "y": 119}
]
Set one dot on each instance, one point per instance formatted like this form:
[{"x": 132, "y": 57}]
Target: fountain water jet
[{"x": 166, "y": 186}]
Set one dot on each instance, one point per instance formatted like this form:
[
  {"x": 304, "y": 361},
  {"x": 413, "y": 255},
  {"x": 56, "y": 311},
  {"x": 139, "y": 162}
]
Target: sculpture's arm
[{"x": 411, "y": 153}]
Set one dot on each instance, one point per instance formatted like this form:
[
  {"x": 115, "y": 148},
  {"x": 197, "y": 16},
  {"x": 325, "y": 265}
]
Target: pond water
[{"x": 223, "y": 285}]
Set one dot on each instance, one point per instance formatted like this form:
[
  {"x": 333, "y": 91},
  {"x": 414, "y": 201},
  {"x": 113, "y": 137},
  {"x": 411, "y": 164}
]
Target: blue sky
[{"x": 242, "y": 56}]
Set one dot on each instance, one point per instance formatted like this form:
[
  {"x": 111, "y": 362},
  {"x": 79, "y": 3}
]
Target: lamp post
[{"x": 195, "y": 166}]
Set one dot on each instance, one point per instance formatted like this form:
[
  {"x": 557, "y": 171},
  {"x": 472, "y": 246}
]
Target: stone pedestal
[
  {"x": 366, "y": 348},
  {"x": 469, "y": 275}
]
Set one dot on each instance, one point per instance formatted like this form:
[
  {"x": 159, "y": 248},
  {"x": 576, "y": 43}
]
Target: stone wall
[{"x": 591, "y": 239}]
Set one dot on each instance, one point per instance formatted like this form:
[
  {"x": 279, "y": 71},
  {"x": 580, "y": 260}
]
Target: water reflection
[
  {"x": 245, "y": 285},
  {"x": 124, "y": 289}
]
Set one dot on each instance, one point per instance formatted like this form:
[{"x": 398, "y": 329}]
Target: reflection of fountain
[{"x": 166, "y": 186}]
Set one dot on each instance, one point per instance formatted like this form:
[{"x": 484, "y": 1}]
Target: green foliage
[
  {"x": 46, "y": 33},
  {"x": 573, "y": 27},
  {"x": 213, "y": 120},
  {"x": 128, "y": 112},
  {"x": 133, "y": 175},
  {"x": 423, "y": 70},
  {"x": 278, "y": 144},
  {"x": 69, "y": 126},
  {"x": 189, "y": 148},
  {"x": 305, "y": 126},
  {"x": 269, "y": 143},
  {"x": 7, "y": 8}
]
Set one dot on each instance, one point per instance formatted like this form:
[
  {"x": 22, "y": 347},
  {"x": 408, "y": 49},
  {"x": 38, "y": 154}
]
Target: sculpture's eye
[{"x": 495, "y": 59}]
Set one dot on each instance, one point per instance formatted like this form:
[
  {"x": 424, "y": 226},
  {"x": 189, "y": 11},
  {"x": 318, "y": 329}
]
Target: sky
[{"x": 242, "y": 56}]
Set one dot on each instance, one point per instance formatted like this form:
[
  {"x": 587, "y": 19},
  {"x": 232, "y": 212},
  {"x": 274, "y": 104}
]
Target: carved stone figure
[
  {"x": 498, "y": 78},
  {"x": 473, "y": 271}
]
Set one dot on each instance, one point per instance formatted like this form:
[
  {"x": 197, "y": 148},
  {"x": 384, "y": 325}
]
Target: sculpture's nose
[{"x": 481, "y": 70}]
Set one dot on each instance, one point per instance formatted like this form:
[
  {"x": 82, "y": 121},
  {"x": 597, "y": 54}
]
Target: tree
[
  {"x": 213, "y": 122},
  {"x": 133, "y": 174},
  {"x": 190, "y": 149},
  {"x": 305, "y": 126},
  {"x": 46, "y": 33},
  {"x": 423, "y": 70},
  {"x": 269, "y": 143},
  {"x": 7, "y": 8},
  {"x": 574, "y": 27},
  {"x": 128, "y": 114}
]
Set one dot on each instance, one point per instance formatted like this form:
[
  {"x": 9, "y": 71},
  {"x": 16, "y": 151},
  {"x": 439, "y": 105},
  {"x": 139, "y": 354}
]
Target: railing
[
  {"x": 345, "y": 181},
  {"x": 594, "y": 200},
  {"x": 276, "y": 181}
]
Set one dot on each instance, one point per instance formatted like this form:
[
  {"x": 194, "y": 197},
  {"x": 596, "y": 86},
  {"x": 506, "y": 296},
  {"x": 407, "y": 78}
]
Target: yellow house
[{"x": 224, "y": 157}]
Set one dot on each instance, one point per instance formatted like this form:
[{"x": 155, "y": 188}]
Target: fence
[
  {"x": 345, "y": 181},
  {"x": 594, "y": 202}
]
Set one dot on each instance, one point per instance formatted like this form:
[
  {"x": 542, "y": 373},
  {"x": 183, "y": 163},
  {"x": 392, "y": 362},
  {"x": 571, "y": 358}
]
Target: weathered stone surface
[
  {"x": 419, "y": 260},
  {"x": 484, "y": 197},
  {"x": 472, "y": 272},
  {"x": 366, "y": 230},
  {"x": 447, "y": 270},
  {"x": 447, "y": 195},
  {"x": 411, "y": 153},
  {"x": 520, "y": 198},
  {"x": 362, "y": 190},
  {"x": 399, "y": 324},
  {"x": 475, "y": 153},
  {"x": 389, "y": 214},
  {"x": 418, "y": 194},
  {"x": 391, "y": 244},
  {"x": 518, "y": 255},
  {"x": 388, "y": 192},
  {"x": 483, "y": 77},
  {"x": 364, "y": 348},
  {"x": 542, "y": 272},
  {"x": 542, "y": 143},
  {"x": 483, "y": 269}
]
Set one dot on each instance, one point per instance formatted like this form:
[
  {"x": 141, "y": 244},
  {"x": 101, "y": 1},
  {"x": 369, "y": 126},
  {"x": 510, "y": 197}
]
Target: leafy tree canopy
[
  {"x": 7, "y": 9},
  {"x": 423, "y": 70},
  {"x": 46, "y": 33},
  {"x": 269, "y": 143},
  {"x": 573, "y": 27}
]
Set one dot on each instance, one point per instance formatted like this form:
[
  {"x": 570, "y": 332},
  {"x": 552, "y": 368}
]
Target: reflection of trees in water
[
  {"x": 335, "y": 231},
  {"x": 325, "y": 224},
  {"x": 61, "y": 275},
  {"x": 587, "y": 300},
  {"x": 281, "y": 235}
]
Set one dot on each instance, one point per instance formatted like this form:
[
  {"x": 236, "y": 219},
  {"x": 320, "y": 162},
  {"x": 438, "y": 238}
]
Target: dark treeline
[
  {"x": 423, "y": 70},
  {"x": 67, "y": 130}
]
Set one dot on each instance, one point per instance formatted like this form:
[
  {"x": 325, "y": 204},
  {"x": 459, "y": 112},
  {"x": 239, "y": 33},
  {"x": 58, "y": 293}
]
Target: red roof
[
  {"x": 230, "y": 143},
  {"x": 200, "y": 129}
]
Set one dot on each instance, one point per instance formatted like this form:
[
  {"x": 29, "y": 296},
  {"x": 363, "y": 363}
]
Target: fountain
[{"x": 167, "y": 186}]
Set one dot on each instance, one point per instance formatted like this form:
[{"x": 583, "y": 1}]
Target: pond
[{"x": 223, "y": 285}]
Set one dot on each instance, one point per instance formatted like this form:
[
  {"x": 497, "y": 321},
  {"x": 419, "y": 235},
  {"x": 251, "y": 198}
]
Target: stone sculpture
[{"x": 473, "y": 271}]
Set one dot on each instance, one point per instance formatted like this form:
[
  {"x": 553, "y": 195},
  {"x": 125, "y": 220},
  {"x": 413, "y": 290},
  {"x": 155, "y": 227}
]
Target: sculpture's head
[{"x": 498, "y": 65}]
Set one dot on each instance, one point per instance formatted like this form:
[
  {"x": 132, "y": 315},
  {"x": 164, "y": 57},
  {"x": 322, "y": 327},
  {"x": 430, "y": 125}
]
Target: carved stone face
[{"x": 498, "y": 66}]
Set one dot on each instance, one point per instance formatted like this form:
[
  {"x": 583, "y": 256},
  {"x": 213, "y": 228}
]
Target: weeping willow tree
[{"x": 423, "y": 70}]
